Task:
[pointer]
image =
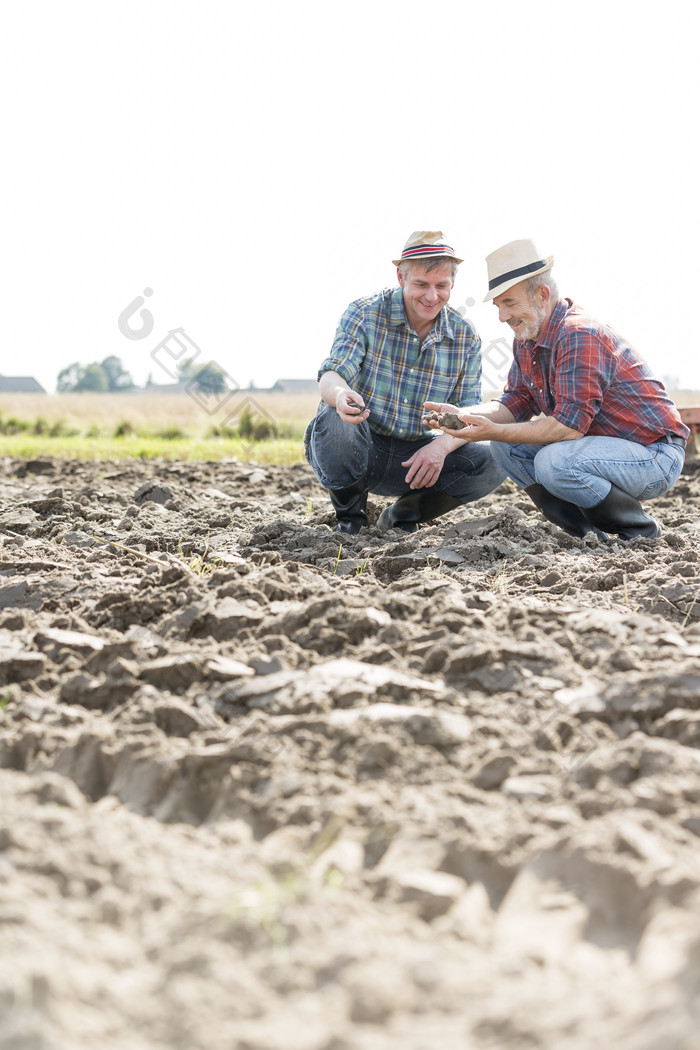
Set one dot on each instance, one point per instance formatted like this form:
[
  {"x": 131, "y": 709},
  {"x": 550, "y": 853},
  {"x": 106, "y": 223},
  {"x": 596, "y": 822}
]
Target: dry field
[
  {"x": 686, "y": 397},
  {"x": 264, "y": 792},
  {"x": 149, "y": 410}
]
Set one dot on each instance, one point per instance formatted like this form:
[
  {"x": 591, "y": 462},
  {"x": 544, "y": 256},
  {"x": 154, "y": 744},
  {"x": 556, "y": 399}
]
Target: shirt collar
[
  {"x": 442, "y": 327},
  {"x": 397, "y": 314}
]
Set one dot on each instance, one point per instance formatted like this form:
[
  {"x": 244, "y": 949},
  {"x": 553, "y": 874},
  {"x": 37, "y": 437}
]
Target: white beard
[{"x": 531, "y": 329}]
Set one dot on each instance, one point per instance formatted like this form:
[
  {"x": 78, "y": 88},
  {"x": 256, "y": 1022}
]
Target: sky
[{"x": 258, "y": 166}]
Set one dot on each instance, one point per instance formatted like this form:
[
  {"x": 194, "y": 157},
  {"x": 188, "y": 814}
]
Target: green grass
[
  {"x": 152, "y": 426},
  {"x": 281, "y": 451},
  {"x": 149, "y": 429}
]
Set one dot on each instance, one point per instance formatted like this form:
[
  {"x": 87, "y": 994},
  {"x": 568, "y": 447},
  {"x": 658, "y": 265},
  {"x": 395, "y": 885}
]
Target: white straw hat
[{"x": 512, "y": 263}]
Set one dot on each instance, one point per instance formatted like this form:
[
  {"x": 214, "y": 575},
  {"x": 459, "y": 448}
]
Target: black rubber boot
[
  {"x": 622, "y": 514},
  {"x": 412, "y": 507},
  {"x": 350, "y": 507},
  {"x": 567, "y": 516}
]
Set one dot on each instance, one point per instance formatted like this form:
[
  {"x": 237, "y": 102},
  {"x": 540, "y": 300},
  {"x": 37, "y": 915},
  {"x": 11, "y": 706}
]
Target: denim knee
[
  {"x": 338, "y": 451},
  {"x": 560, "y": 467},
  {"x": 515, "y": 461},
  {"x": 550, "y": 463},
  {"x": 471, "y": 472},
  {"x": 500, "y": 452}
]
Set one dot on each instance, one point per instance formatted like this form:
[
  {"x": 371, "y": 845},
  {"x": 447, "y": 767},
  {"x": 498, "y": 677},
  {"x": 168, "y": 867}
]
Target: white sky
[{"x": 259, "y": 165}]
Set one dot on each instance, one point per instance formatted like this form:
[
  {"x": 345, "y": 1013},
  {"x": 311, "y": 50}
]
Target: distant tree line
[
  {"x": 108, "y": 375},
  {"x": 111, "y": 376}
]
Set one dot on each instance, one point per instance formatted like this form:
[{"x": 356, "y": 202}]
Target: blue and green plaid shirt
[{"x": 379, "y": 355}]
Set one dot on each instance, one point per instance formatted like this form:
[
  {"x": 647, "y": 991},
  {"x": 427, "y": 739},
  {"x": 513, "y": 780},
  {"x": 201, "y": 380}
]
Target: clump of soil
[
  {"x": 446, "y": 419},
  {"x": 265, "y": 790}
]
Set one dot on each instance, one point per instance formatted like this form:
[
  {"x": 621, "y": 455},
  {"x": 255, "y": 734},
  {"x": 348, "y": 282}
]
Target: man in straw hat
[
  {"x": 391, "y": 353},
  {"x": 582, "y": 425}
]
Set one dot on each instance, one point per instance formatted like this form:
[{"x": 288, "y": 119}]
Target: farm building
[
  {"x": 295, "y": 386},
  {"x": 20, "y": 385}
]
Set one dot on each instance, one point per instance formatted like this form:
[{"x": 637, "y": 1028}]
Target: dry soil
[{"x": 263, "y": 793}]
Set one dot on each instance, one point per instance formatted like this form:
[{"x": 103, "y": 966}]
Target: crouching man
[
  {"x": 610, "y": 436},
  {"x": 391, "y": 353}
]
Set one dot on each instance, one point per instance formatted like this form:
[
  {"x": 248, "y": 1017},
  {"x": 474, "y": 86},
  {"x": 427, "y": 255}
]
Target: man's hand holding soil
[
  {"x": 479, "y": 422},
  {"x": 349, "y": 405}
]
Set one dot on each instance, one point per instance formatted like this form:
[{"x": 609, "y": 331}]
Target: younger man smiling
[{"x": 391, "y": 353}]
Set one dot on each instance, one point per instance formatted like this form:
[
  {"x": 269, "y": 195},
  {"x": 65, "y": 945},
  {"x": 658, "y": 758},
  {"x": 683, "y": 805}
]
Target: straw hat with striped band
[
  {"x": 426, "y": 244},
  {"x": 514, "y": 262}
]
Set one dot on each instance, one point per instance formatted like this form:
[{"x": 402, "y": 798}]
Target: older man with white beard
[{"x": 610, "y": 435}]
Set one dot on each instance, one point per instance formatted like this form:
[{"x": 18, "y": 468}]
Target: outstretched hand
[
  {"x": 440, "y": 406},
  {"x": 473, "y": 430},
  {"x": 439, "y": 415}
]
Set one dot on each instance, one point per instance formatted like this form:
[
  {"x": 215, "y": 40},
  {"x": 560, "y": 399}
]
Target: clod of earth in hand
[
  {"x": 446, "y": 419},
  {"x": 353, "y": 404}
]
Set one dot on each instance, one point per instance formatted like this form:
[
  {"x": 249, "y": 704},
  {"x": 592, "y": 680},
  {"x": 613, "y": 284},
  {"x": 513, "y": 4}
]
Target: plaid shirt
[
  {"x": 586, "y": 376},
  {"x": 379, "y": 355}
]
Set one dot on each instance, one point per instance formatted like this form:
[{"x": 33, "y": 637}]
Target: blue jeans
[
  {"x": 583, "y": 471},
  {"x": 341, "y": 453}
]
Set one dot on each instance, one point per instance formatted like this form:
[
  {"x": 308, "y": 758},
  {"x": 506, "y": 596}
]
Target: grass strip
[{"x": 272, "y": 452}]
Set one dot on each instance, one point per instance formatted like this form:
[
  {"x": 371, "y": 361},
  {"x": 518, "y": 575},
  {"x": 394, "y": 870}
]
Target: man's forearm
[
  {"x": 493, "y": 410},
  {"x": 330, "y": 385},
  {"x": 447, "y": 443},
  {"x": 535, "y": 432}
]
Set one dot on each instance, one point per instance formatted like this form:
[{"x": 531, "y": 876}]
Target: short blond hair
[{"x": 434, "y": 263}]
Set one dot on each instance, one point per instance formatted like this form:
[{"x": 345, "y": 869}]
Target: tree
[
  {"x": 186, "y": 370},
  {"x": 117, "y": 376},
  {"x": 208, "y": 377},
  {"x": 93, "y": 378},
  {"x": 110, "y": 375},
  {"x": 69, "y": 377},
  {"x": 211, "y": 379}
]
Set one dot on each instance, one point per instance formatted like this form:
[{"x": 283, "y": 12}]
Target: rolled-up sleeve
[{"x": 349, "y": 347}]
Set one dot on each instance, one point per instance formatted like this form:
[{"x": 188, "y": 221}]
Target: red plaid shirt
[{"x": 586, "y": 376}]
